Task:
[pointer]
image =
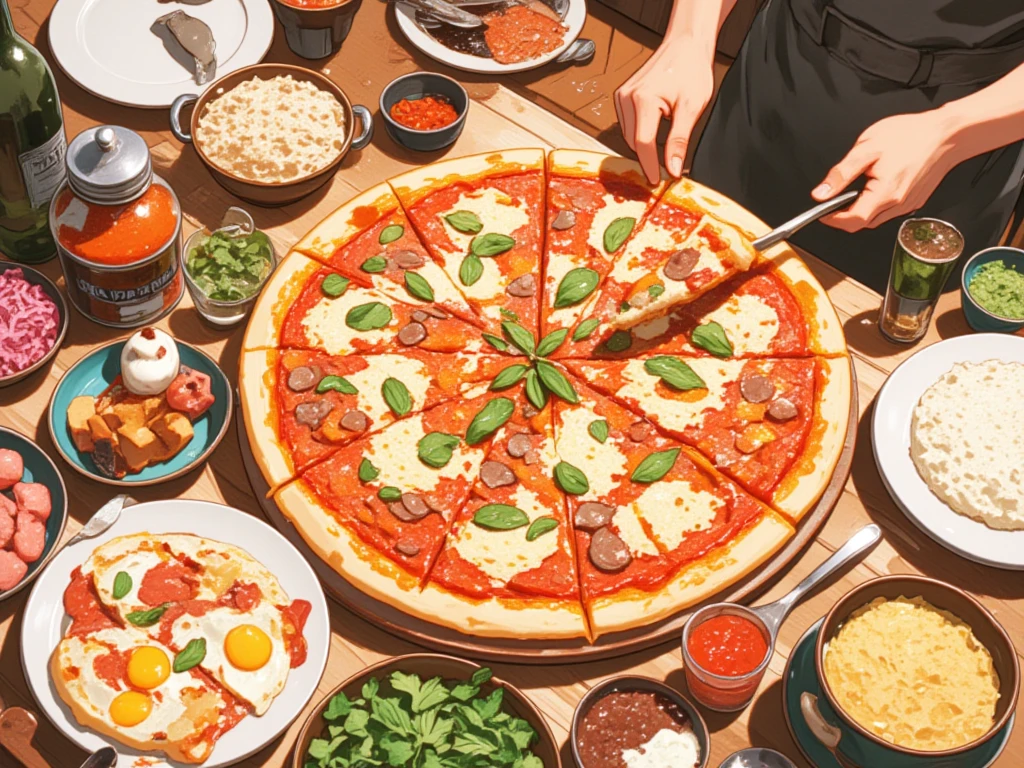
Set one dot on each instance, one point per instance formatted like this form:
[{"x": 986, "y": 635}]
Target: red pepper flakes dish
[
  {"x": 519, "y": 33},
  {"x": 427, "y": 113},
  {"x": 29, "y": 322}
]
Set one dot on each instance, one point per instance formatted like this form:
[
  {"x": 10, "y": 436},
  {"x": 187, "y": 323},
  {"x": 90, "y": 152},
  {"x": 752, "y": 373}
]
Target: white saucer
[
  {"x": 890, "y": 438},
  {"x": 108, "y": 48}
]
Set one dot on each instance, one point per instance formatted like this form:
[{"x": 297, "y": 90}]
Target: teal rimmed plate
[
  {"x": 39, "y": 468},
  {"x": 96, "y": 371},
  {"x": 801, "y": 676}
]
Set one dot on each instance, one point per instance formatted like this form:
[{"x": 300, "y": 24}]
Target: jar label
[
  {"x": 43, "y": 169},
  {"x": 137, "y": 294}
]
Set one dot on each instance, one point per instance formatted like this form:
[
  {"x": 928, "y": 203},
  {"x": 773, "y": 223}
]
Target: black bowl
[{"x": 417, "y": 85}]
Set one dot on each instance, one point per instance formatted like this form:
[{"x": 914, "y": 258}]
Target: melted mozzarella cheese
[
  {"x": 504, "y": 554},
  {"x": 677, "y": 413},
  {"x": 497, "y": 212},
  {"x": 609, "y": 212},
  {"x": 326, "y": 327},
  {"x": 411, "y": 372},
  {"x": 602, "y": 463},
  {"x": 557, "y": 267},
  {"x": 666, "y": 749},
  {"x": 652, "y": 329},
  {"x": 673, "y": 509},
  {"x": 440, "y": 283},
  {"x": 749, "y": 323},
  {"x": 628, "y": 266},
  {"x": 631, "y": 531},
  {"x": 394, "y": 451}
]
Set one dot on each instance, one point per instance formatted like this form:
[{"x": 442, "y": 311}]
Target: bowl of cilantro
[{"x": 420, "y": 709}]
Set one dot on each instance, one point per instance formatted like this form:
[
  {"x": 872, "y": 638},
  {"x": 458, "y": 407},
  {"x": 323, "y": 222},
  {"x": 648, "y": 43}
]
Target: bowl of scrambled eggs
[{"x": 917, "y": 666}]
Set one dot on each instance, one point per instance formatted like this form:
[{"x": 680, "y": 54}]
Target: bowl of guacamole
[{"x": 992, "y": 290}]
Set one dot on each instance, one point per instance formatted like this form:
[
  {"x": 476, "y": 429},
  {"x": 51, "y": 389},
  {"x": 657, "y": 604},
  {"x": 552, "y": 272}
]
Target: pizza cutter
[{"x": 797, "y": 223}]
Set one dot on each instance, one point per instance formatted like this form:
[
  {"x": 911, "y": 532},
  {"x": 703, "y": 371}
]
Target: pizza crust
[
  {"x": 824, "y": 330},
  {"x": 584, "y": 164},
  {"x": 337, "y": 229},
  {"x": 257, "y": 388},
  {"x": 287, "y": 282},
  {"x": 698, "y": 581},
  {"x": 415, "y": 185}
]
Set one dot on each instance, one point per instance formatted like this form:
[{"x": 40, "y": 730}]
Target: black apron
[{"x": 810, "y": 79}]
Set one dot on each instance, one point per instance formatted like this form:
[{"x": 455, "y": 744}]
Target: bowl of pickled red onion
[{"x": 33, "y": 321}]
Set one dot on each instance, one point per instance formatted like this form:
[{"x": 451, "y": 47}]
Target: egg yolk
[
  {"x": 247, "y": 647},
  {"x": 130, "y": 708},
  {"x": 148, "y": 667}
]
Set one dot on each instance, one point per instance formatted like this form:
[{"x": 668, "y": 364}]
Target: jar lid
[{"x": 109, "y": 165}]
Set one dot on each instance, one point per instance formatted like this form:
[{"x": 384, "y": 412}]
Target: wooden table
[{"x": 498, "y": 118}]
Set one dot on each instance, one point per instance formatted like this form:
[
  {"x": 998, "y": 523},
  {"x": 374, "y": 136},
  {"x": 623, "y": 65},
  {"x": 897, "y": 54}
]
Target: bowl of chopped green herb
[
  {"x": 992, "y": 287},
  {"x": 225, "y": 272},
  {"x": 424, "y": 710}
]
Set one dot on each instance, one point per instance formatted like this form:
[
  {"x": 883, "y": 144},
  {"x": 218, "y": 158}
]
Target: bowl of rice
[
  {"x": 33, "y": 321},
  {"x": 271, "y": 134}
]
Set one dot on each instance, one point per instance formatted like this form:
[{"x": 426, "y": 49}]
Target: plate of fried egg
[{"x": 189, "y": 633}]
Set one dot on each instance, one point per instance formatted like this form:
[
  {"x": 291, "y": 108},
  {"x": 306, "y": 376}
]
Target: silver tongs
[
  {"x": 445, "y": 12},
  {"x": 797, "y": 223}
]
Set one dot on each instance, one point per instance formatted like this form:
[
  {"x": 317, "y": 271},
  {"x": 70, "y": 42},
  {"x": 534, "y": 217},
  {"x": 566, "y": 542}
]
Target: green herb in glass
[{"x": 227, "y": 268}]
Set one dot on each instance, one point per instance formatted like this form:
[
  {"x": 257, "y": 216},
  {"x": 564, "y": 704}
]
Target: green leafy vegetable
[
  {"x": 619, "y": 341},
  {"x": 334, "y": 285},
  {"x": 551, "y": 342},
  {"x": 389, "y": 493},
  {"x": 655, "y": 290},
  {"x": 577, "y": 284},
  {"x": 519, "y": 336},
  {"x": 418, "y": 286},
  {"x": 598, "y": 430},
  {"x": 490, "y": 418},
  {"x": 464, "y": 221},
  {"x": 674, "y": 372},
  {"x": 655, "y": 466},
  {"x": 367, "y": 472},
  {"x": 336, "y": 384},
  {"x": 508, "y": 314},
  {"x": 535, "y": 392},
  {"x": 147, "y": 618},
  {"x": 495, "y": 341},
  {"x": 555, "y": 382},
  {"x": 471, "y": 269},
  {"x": 397, "y": 396},
  {"x": 711, "y": 337},
  {"x": 191, "y": 655},
  {"x": 571, "y": 479},
  {"x": 368, "y": 317},
  {"x": 122, "y": 584},
  {"x": 391, "y": 233},
  {"x": 585, "y": 329},
  {"x": 491, "y": 244},
  {"x": 617, "y": 232},
  {"x": 435, "y": 448},
  {"x": 374, "y": 264},
  {"x": 540, "y": 526},
  {"x": 500, "y": 517},
  {"x": 509, "y": 377},
  {"x": 227, "y": 268}
]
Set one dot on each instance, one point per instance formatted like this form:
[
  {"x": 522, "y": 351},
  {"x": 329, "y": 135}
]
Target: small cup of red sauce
[
  {"x": 424, "y": 111},
  {"x": 726, "y": 649}
]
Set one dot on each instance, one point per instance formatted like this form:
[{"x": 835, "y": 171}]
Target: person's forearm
[
  {"x": 698, "y": 22},
  {"x": 987, "y": 119}
]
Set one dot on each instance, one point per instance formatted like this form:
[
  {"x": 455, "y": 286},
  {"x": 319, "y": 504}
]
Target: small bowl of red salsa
[{"x": 424, "y": 111}]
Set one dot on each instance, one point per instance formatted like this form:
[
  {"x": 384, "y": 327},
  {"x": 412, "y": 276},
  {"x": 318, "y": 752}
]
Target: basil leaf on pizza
[
  {"x": 551, "y": 342},
  {"x": 555, "y": 382},
  {"x": 418, "y": 286},
  {"x": 336, "y": 384},
  {"x": 509, "y": 377},
  {"x": 655, "y": 466},
  {"x": 491, "y": 244},
  {"x": 674, "y": 372},
  {"x": 585, "y": 329},
  {"x": 508, "y": 313},
  {"x": 122, "y": 584},
  {"x": 619, "y": 341},
  {"x": 617, "y": 232},
  {"x": 540, "y": 526},
  {"x": 519, "y": 336},
  {"x": 656, "y": 290},
  {"x": 490, "y": 418},
  {"x": 598, "y": 430},
  {"x": 711, "y": 337},
  {"x": 368, "y": 317},
  {"x": 500, "y": 517},
  {"x": 390, "y": 233},
  {"x": 471, "y": 269},
  {"x": 464, "y": 221},
  {"x": 397, "y": 396},
  {"x": 571, "y": 479},
  {"x": 535, "y": 393},
  {"x": 495, "y": 341},
  {"x": 389, "y": 493},
  {"x": 577, "y": 284},
  {"x": 374, "y": 264},
  {"x": 334, "y": 285},
  {"x": 191, "y": 655},
  {"x": 368, "y": 472},
  {"x": 435, "y": 448},
  {"x": 147, "y": 618}
]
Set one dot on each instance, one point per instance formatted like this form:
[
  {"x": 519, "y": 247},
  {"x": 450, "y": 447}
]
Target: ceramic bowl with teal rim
[
  {"x": 35, "y": 277},
  {"x": 95, "y": 372},
  {"x": 979, "y": 318},
  {"x": 800, "y": 688},
  {"x": 39, "y": 468}
]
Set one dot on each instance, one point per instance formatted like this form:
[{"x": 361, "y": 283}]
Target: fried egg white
[
  {"x": 245, "y": 651},
  {"x": 159, "y": 710}
]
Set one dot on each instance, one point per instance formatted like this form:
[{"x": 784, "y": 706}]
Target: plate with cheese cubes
[{"x": 140, "y": 410}]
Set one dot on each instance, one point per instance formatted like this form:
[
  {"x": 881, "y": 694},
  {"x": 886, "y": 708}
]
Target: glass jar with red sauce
[
  {"x": 117, "y": 226},
  {"x": 726, "y": 649}
]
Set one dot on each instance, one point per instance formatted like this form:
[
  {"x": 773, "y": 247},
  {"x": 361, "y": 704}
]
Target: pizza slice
[
  {"x": 371, "y": 241},
  {"x": 481, "y": 217},
  {"x": 378, "y": 509},
  {"x": 508, "y": 568},
  {"x": 776, "y": 426},
  {"x": 657, "y": 529},
  {"x": 302, "y": 405},
  {"x": 318, "y": 308},
  {"x": 594, "y": 201}
]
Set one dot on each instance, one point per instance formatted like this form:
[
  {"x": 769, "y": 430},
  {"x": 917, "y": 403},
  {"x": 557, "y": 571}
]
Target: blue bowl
[
  {"x": 95, "y": 372},
  {"x": 417, "y": 85},
  {"x": 979, "y": 318},
  {"x": 39, "y": 468}
]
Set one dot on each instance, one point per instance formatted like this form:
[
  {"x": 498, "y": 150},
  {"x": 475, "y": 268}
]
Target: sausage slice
[
  {"x": 756, "y": 389},
  {"x": 412, "y": 334},
  {"x": 608, "y": 552},
  {"x": 680, "y": 264},
  {"x": 564, "y": 220},
  {"x": 518, "y": 445},
  {"x": 783, "y": 410},
  {"x": 593, "y": 515},
  {"x": 494, "y": 474}
]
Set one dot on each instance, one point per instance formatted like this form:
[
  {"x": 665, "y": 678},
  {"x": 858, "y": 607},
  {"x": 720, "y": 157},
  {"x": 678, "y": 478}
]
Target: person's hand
[
  {"x": 676, "y": 82},
  {"x": 904, "y": 158}
]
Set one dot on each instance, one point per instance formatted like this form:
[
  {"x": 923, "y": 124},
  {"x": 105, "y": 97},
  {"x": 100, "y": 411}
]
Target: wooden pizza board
[{"x": 607, "y": 646}]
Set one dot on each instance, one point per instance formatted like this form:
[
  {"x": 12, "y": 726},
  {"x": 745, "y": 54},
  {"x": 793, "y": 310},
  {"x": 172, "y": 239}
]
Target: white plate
[
  {"x": 45, "y": 621},
  {"x": 108, "y": 48},
  {"x": 890, "y": 438},
  {"x": 574, "y": 19}
]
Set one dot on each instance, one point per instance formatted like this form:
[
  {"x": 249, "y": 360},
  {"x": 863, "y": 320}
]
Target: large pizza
[{"x": 533, "y": 396}]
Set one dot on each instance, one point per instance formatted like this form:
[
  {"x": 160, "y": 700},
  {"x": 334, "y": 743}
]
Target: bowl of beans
[{"x": 424, "y": 111}]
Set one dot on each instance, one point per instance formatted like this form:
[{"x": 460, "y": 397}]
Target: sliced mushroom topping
[
  {"x": 564, "y": 220},
  {"x": 532, "y": 457},
  {"x": 407, "y": 548},
  {"x": 756, "y": 389},
  {"x": 407, "y": 259},
  {"x": 783, "y": 410},
  {"x": 681, "y": 263},
  {"x": 412, "y": 334},
  {"x": 639, "y": 431},
  {"x": 608, "y": 552},
  {"x": 302, "y": 378},
  {"x": 494, "y": 474},
  {"x": 420, "y": 316},
  {"x": 592, "y": 516},
  {"x": 523, "y": 287},
  {"x": 437, "y": 312},
  {"x": 518, "y": 445},
  {"x": 416, "y": 505},
  {"x": 355, "y": 421},
  {"x": 312, "y": 414}
]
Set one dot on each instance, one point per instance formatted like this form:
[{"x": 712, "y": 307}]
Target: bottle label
[{"x": 43, "y": 169}]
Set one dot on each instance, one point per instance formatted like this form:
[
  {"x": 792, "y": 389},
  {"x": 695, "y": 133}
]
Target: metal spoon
[
  {"x": 757, "y": 757},
  {"x": 580, "y": 51},
  {"x": 101, "y": 758},
  {"x": 799, "y": 222},
  {"x": 104, "y": 517}
]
